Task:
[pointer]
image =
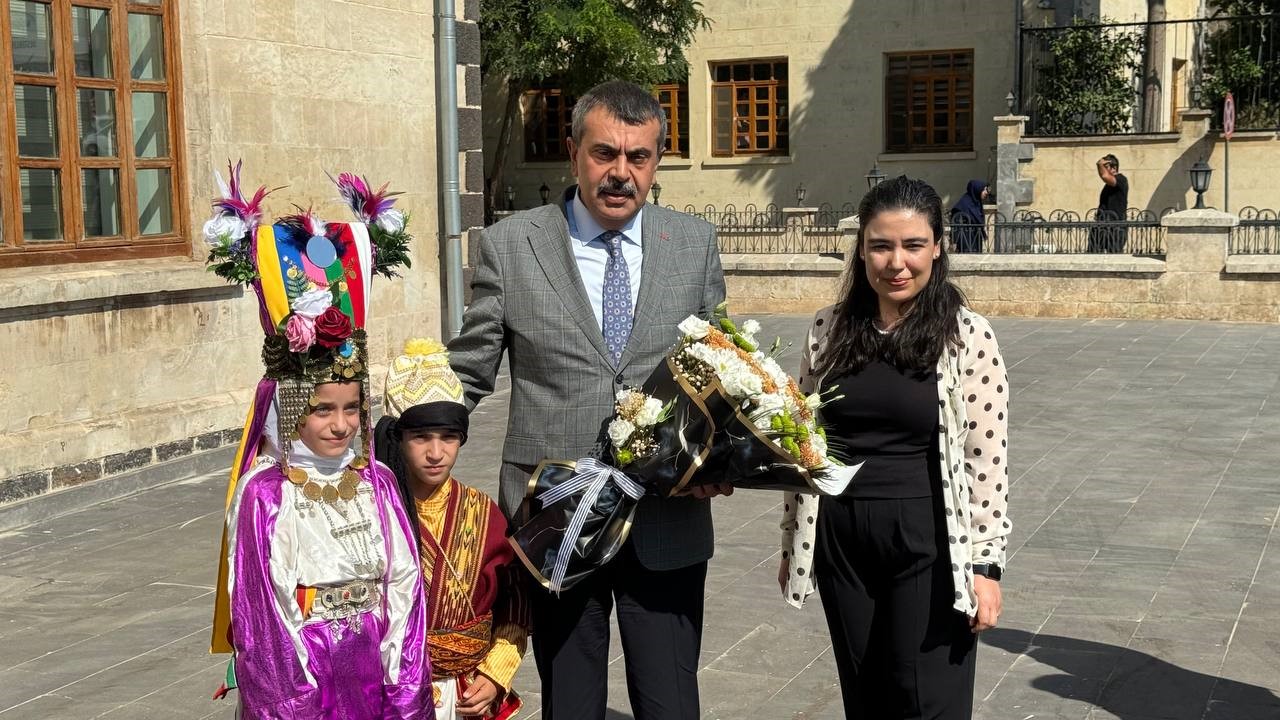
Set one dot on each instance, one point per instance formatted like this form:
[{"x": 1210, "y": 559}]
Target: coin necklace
[{"x": 327, "y": 493}]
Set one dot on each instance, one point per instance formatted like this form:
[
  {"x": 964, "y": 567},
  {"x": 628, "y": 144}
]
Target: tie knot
[{"x": 612, "y": 240}]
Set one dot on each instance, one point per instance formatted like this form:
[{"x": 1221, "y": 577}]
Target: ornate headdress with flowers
[{"x": 313, "y": 281}]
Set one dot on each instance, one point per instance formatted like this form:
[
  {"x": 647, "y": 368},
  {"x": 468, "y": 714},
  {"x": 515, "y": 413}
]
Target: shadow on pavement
[{"x": 1134, "y": 685}]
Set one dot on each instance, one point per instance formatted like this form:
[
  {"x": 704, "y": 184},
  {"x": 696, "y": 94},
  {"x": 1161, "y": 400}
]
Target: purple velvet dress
[{"x": 362, "y": 663}]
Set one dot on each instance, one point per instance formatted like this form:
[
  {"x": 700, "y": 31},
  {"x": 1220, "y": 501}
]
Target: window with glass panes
[
  {"x": 91, "y": 166},
  {"x": 674, "y": 99},
  {"x": 749, "y": 108},
  {"x": 548, "y": 120},
  {"x": 929, "y": 101}
]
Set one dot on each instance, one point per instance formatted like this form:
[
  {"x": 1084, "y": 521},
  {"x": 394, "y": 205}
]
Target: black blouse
[{"x": 889, "y": 419}]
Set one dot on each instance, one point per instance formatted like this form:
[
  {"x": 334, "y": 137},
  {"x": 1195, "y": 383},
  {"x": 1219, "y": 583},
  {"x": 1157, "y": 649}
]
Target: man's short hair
[
  {"x": 1111, "y": 160},
  {"x": 626, "y": 101}
]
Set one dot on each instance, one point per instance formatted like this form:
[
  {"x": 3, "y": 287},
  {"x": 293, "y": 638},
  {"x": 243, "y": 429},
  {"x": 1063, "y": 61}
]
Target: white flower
[
  {"x": 312, "y": 302},
  {"x": 622, "y": 396},
  {"x": 620, "y": 431},
  {"x": 749, "y": 328},
  {"x": 741, "y": 383},
  {"x": 774, "y": 370},
  {"x": 813, "y": 402},
  {"x": 391, "y": 221},
  {"x": 221, "y": 229},
  {"x": 694, "y": 327},
  {"x": 770, "y": 403},
  {"x": 649, "y": 413},
  {"x": 705, "y": 353},
  {"x": 818, "y": 444}
]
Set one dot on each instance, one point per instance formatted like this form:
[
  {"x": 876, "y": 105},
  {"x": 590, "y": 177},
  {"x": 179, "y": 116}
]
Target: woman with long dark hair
[{"x": 909, "y": 558}]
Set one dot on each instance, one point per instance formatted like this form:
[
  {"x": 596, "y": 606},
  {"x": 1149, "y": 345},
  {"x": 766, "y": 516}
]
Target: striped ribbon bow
[{"x": 590, "y": 475}]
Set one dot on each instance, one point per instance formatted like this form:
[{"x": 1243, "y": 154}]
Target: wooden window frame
[
  {"x": 898, "y": 97},
  {"x": 773, "y": 119},
  {"x": 535, "y": 104},
  {"x": 677, "y": 130},
  {"x": 74, "y": 247},
  {"x": 676, "y": 108}
]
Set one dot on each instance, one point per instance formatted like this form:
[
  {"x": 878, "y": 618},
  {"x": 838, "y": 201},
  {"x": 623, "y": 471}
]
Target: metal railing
[
  {"x": 1257, "y": 234},
  {"x": 1066, "y": 232},
  {"x": 773, "y": 230},
  {"x": 1154, "y": 69}
]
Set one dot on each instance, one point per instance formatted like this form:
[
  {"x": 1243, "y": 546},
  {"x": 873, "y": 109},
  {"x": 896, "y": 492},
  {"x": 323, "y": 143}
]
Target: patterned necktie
[{"x": 616, "y": 311}]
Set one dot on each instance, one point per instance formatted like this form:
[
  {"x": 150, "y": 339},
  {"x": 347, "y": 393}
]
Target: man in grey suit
[{"x": 584, "y": 295}]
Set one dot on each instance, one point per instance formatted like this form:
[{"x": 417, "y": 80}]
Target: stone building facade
[
  {"x": 855, "y": 70},
  {"x": 116, "y": 366}
]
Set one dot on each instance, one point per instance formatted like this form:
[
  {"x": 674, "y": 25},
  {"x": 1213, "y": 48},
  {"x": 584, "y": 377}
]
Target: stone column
[
  {"x": 1195, "y": 241},
  {"x": 470, "y": 132},
  {"x": 1195, "y": 257},
  {"x": 1010, "y": 152}
]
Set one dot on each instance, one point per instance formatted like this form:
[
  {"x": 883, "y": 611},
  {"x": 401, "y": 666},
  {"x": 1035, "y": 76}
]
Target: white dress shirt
[{"x": 592, "y": 256}]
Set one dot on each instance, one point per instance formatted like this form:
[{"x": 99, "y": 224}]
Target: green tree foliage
[
  {"x": 1087, "y": 87},
  {"x": 1242, "y": 57},
  {"x": 580, "y": 43}
]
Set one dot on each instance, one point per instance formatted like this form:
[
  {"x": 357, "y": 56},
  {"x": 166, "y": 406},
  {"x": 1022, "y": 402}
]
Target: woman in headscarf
[{"x": 968, "y": 226}]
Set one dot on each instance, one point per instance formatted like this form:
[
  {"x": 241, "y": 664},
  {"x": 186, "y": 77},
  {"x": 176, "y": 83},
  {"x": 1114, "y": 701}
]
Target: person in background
[
  {"x": 968, "y": 224},
  {"x": 1113, "y": 204}
]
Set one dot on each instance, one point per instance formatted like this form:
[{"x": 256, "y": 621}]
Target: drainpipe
[
  {"x": 450, "y": 214},
  {"x": 1017, "y": 62}
]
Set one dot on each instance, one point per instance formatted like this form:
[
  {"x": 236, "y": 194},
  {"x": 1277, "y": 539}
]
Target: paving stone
[{"x": 1143, "y": 579}]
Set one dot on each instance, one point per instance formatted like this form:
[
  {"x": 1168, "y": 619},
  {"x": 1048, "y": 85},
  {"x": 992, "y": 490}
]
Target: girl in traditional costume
[
  {"x": 320, "y": 592},
  {"x": 478, "y": 618}
]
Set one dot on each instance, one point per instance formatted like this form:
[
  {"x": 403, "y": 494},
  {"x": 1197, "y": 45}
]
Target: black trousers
[
  {"x": 660, "y": 620},
  {"x": 884, "y": 574}
]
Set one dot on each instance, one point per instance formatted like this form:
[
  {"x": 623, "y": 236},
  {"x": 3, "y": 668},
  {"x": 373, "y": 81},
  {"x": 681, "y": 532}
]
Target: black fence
[
  {"x": 1066, "y": 232},
  {"x": 772, "y": 230},
  {"x": 1121, "y": 78},
  {"x": 1257, "y": 234}
]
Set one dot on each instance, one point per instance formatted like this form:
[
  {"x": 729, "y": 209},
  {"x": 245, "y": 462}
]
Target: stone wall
[
  {"x": 1064, "y": 170},
  {"x": 1197, "y": 280},
  {"x": 114, "y": 366}
]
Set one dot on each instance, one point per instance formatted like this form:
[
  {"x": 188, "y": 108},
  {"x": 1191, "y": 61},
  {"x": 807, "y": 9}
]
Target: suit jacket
[{"x": 528, "y": 299}]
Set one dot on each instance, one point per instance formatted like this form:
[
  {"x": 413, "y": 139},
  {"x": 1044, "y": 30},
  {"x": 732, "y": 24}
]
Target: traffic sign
[{"x": 1228, "y": 116}]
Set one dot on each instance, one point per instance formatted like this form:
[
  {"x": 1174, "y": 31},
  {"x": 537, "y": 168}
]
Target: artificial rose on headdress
[
  {"x": 391, "y": 221},
  {"x": 312, "y": 302},
  {"x": 221, "y": 229},
  {"x": 332, "y": 327},
  {"x": 300, "y": 330}
]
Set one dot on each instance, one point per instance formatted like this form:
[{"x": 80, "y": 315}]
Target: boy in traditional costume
[
  {"x": 477, "y": 618},
  {"x": 320, "y": 592}
]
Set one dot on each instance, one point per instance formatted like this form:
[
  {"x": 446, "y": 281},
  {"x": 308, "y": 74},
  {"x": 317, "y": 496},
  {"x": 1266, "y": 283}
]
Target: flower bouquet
[{"x": 717, "y": 410}]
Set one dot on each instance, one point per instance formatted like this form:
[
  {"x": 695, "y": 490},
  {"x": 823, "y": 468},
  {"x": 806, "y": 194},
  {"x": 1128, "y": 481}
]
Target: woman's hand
[
  {"x": 478, "y": 697},
  {"x": 989, "y": 604},
  {"x": 784, "y": 568}
]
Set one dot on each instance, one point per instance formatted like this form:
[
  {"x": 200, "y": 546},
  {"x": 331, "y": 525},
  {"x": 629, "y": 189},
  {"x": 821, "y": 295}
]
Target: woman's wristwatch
[{"x": 988, "y": 570}]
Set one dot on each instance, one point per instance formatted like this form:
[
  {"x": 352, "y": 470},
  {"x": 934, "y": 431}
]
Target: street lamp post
[
  {"x": 510, "y": 194},
  {"x": 545, "y": 193},
  {"x": 1200, "y": 174},
  {"x": 657, "y": 192},
  {"x": 800, "y": 192},
  {"x": 875, "y": 177}
]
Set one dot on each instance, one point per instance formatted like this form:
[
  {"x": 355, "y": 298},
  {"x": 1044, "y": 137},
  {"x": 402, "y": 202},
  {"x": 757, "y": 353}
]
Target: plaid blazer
[{"x": 528, "y": 299}]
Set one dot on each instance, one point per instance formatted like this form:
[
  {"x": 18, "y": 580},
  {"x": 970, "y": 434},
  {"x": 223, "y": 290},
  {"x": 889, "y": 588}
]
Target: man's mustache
[{"x": 615, "y": 187}]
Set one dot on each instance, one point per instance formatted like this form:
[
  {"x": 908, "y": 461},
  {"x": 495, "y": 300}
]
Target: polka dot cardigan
[{"x": 973, "y": 420}]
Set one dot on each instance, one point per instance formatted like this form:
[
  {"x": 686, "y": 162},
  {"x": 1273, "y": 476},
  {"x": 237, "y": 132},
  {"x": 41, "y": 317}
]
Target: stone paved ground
[{"x": 1144, "y": 579}]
